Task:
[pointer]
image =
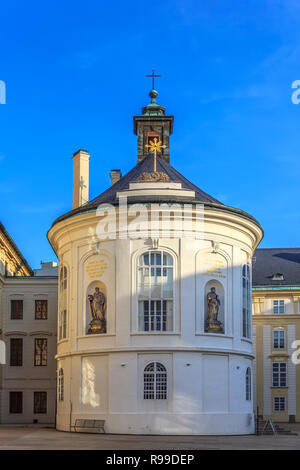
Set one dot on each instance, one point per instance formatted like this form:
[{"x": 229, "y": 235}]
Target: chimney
[
  {"x": 115, "y": 175},
  {"x": 80, "y": 177}
]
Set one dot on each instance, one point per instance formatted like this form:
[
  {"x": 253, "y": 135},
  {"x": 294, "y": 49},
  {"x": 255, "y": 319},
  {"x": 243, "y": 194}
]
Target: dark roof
[
  {"x": 270, "y": 261},
  {"x": 16, "y": 249},
  {"x": 146, "y": 166}
]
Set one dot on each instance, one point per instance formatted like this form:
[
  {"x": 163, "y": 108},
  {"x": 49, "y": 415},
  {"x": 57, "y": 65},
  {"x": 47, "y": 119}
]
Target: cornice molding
[{"x": 15, "y": 333}]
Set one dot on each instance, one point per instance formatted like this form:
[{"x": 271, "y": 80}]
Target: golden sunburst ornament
[{"x": 155, "y": 146}]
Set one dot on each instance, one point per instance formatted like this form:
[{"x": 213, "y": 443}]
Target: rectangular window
[
  {"x": 16, "y": 309},
  {"x": 40, "y": 352},
  {"x": 41, "y": 309},
  {"x": 246, "y": 278},
  {"x": 16, "y": 352},
  {"x": 279, "y": 404},
  {"x": 40, "y": 402},
  {"x": 278, "y": 307},
  {"x": 278, "y": 339},
  {"x": 15, "y": 402},
  {"x": 155, "y": 288},
  {"x": 279, "y": 374},
  {"x": 63, "y": 324}
]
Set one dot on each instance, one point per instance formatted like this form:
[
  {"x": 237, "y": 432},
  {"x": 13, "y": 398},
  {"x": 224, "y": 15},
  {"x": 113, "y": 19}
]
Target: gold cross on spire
[{"x": 155, "y": 146}]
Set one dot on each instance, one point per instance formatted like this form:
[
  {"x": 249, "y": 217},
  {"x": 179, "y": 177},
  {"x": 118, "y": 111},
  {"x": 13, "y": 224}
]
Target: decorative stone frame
[{"x": 134, "y": 290}]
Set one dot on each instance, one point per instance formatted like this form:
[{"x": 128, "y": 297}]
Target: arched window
[
  {"x": 248, "y": 384},
  {"x": 60, "y": 385},
  {"x": 155, "y": 291},
  {"x": 63, "y": 283},
  {"x": 246, "y": 301},
  {"x": 155, "y": 382}
]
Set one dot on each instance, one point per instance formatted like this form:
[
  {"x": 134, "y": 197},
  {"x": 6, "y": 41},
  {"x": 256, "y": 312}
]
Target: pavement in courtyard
[{"x": 30, "y": 438}]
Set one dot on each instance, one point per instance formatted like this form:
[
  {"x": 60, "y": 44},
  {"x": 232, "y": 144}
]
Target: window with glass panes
[
  {"x": 40, "y": 402},
  {"x": 155, "y": 382},
  {"x": 246, "y": 301},
  {"x": 279, "y": 404},
  {"x": 278, "y": 307},
  {"x": 155, "y": 291},
  {"x": 16, "y": 309},
  {"x": 248, "y": 384},
  {"x": 15, "y": 402},
  {"x": 62, "y": 320},
  {"x": 40, "y": 352},
  {"x": 61, "y": 385},
  {"x": 63, "y": 324},
  {"x": 16, "y": 352},
  {"x": 278, "y": 339},
  {"x": 41, "y": 309},
  {"x": 279, "y": 374}
]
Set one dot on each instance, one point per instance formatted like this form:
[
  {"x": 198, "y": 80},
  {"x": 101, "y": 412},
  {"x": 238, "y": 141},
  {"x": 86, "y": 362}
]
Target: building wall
[
  {"x": 29, "y": 378},
  {"x": 265, "y": 323},
  {"x": 12, "y": 263},
  {"x": 206, "y": 372}
]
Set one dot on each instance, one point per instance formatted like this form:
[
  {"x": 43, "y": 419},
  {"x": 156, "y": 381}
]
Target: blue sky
[{"x": 75, "y": 76}]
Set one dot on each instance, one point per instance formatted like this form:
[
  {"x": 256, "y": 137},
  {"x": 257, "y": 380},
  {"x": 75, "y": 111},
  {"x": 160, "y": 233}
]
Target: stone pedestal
[
  {"x": 214, "y": 326},
  {"x": 97, "y": 326}
]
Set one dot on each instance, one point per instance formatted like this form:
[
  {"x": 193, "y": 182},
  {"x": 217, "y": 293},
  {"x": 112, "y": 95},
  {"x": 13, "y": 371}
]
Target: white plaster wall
[{"x": 206, "y": 372}]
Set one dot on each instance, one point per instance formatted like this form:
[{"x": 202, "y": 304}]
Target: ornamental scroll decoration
[{"x": 156, "y": 176}]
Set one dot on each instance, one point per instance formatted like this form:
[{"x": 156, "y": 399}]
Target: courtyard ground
[{"x": 41, "y": 438}]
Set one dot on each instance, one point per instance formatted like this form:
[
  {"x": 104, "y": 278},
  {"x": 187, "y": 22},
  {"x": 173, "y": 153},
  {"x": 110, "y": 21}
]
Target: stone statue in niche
[
  {"x": 97, "y": 303},
  {"x": 213, "y": 325}
]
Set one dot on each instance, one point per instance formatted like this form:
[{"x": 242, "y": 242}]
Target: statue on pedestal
[
  {"x": 97, "y": 302},
  {"x": 213, "y": 325}
]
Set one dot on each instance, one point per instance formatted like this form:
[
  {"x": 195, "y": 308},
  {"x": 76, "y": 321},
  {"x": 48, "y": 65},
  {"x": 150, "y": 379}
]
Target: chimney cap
[
  {"x": 81, "y": 151},
  {"x": 115, "y": 171}
]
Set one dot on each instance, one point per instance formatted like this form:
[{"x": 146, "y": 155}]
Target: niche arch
[{"x": 214, "y": 264}]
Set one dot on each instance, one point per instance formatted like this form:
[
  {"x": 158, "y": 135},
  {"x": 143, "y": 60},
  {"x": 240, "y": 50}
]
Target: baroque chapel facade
[{"x": 154, "y": 333}]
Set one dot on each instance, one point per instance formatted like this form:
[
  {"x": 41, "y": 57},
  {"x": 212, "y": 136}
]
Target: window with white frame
[
  {"x": 248, "y": 384},
  {"x": 155, "y": 382},
  {"x": 62, "y": 320},
  {"x": 155, "y": 291},
  {"x": 278, "y": 339},
  {"x": 278, "y": 307},
  {"x": 60, "y": 385},
  {"x": 63, "y": 324},
  {"x": 246, "y": 301},
  {"x": 279, "y": 404},
  {"x": 279, "y": 374}
]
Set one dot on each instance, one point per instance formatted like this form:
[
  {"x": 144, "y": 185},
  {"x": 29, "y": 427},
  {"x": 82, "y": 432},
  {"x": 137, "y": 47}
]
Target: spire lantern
[{"x": 153, "y": 124}]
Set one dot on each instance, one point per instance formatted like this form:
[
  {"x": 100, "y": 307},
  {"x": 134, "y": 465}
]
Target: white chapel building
[{"x": 154, "y": 333}]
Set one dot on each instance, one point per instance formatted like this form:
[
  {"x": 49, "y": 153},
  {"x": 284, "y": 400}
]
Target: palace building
[
  {"x": 154, "y": 333},
  {"x": 276, "y": 325},
  {"x": 28, "y": 311}
]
